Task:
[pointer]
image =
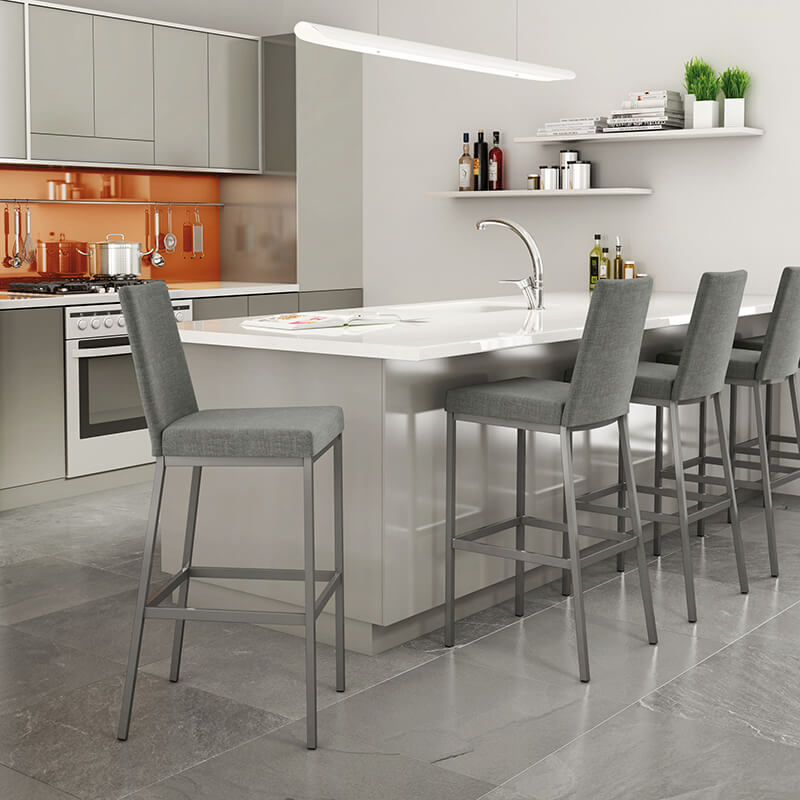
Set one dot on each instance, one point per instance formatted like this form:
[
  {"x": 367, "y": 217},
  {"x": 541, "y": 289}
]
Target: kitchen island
[{"x": 391, "y": 381}]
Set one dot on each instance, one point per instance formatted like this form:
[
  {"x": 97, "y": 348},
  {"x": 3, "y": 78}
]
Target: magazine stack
[
  {"x": 573, "y": 126},
  {"x": 651, "y": 110}
]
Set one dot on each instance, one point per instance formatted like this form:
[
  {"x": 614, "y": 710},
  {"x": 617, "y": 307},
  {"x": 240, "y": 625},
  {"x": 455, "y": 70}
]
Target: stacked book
[
  {"x": 651, "y": 110},
  {"x": 573, "y": 126}
]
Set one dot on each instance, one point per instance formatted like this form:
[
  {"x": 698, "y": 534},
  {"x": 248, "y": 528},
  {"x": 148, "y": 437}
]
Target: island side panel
[{"x": 253, "y": 516}]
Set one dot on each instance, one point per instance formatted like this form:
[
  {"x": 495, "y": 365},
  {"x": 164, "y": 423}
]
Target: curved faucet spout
[{"x": 535, "y": 285}]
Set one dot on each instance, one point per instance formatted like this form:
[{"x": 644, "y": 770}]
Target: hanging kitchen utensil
[
  {"x": 170, "y": 239},
  {"x": 28, "y": 248},
  {"x": 6, "y": 231},
  {"x": 156, "y": 259},
  {"x": 197, "y": 236},
  {"x": 15, "y": 262}
]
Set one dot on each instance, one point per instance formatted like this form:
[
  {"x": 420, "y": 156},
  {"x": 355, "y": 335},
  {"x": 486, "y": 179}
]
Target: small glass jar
[
  {"x": 533, "y": 181},
  {"x": 629, "y": 270}
]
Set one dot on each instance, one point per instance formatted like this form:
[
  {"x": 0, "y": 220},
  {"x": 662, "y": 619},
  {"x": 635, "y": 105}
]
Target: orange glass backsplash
[{"x": 90, "y": 223}]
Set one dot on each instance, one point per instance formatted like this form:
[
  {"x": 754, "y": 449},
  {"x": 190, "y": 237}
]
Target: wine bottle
[
  {"x": 465, "y": 168},
  {"x": 619, "y": 264},
  {"x": 480, "y": 171},
  {"x": 495, "y": 163},
  {"x": 595, "y": 254},
  {"x": 604, "y": 270}
]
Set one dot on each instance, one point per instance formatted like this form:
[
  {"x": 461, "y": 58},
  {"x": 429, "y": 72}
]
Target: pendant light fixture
[{"x": 377, "y": 45}]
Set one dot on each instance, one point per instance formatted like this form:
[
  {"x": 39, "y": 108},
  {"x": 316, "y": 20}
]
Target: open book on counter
[{"x": 310, "y": 321}]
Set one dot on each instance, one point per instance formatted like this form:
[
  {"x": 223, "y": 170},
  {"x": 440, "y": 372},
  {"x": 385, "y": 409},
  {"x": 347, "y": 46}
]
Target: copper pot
[{"x": 61, "y": 257}]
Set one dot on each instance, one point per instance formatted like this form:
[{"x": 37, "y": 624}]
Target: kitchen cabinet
[
  {"x": 32, "y": 431},
  {"x": 280, "y": 106},
  {"x": 180, "y": 63},
  {"x": 12, "y": 80},
  {"x": 233, "y": 103},
  {"x": 329, "y": 299},
  {"x": 244, "y": 305},
  {"x": 260, "y": 304}
]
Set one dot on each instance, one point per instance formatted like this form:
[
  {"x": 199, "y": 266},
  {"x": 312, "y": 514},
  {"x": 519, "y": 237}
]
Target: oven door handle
[{"x": 95, "y": 352}]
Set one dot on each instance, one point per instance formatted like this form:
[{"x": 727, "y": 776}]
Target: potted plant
[
  {"x": 702, "y": 86},
  {"x": 734, "y": 82}
]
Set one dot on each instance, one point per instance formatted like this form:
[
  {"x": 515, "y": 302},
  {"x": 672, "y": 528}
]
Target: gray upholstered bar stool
[
  {"x": 766, "y": 362},
  {"x": 181, "y": 435},
  {"x": 696, "y": 376},
  {"x": 598, "y": 395}
]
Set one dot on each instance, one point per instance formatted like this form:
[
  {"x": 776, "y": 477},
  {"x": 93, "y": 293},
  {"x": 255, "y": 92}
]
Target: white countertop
[
  {"x": 177, "y": 290},
  {"x": 452, "y": 328}
]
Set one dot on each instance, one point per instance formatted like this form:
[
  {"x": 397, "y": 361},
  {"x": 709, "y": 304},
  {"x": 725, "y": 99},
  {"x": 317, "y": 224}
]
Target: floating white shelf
[
  {"x": 647, "y": 136},
  {"x": 615, "y": 191}
]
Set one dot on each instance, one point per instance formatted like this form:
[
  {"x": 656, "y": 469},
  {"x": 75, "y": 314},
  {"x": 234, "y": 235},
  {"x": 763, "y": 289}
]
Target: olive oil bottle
[
  {"x": 604, "y": 270},
  {"x": 595, "y": 254},
  {"x": 619, "y": 264}
]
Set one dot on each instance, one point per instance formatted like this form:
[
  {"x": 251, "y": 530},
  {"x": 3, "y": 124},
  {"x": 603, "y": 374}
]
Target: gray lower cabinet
[
  {"x": 61, "y": 72},
  {"x": 331, "y": 298},
  {"x": 12, "y": 80},
  {"x": 260, "y": 304},
  {"x": 32, "y": 430},
  {"x": 233, "y": 107},
  {"x": 219, "y": 307},
  {"x": 180, "y": 63}
]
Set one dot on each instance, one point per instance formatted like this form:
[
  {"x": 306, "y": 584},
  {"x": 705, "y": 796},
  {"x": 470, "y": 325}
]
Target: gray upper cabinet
[
  {"x": 12, "y": 80},
  {"x": 280, "y": 107},
  {"x": 61, "y": 72},
  {"x": 181, "y": 97},
  {"x": 233, "y": 102},
  {"x": 123, "y": 79}
]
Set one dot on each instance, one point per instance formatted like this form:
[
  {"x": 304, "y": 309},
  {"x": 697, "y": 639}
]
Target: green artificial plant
[
  {"x": 701, "y": 80},
  {"x": 735, "y": 82}
]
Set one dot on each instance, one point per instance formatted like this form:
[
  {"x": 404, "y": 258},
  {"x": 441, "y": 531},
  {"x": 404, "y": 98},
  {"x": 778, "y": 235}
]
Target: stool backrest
[
  {"x": 709, "y": 339},
  {"x": 161, "y": 371},
  {"x": 781, "y": 351},
  {"x": 605, "y": 367}
]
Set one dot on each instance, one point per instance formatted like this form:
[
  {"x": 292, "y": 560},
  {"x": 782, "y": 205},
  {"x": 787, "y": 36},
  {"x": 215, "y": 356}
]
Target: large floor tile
[
  {"x": 645, "y": 756},
  {"x": 278, "y": 767},
  {"x": 32, "y": 669},
  {"x": 15, "y": 786},
  {"x": 266, "y": 669},
  {"x": 69, "y": 741},
  {"x": 42, "y": 585},
  {"x": 13, "y": 553}
]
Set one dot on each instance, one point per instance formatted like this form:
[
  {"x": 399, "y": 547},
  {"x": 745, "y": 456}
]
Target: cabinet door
[
  {"x": 61, "y": 72},
  {"x": 283, "y": 303},
  {"x": 280, "y": 108},
  {"x": 181, "y": 97},
  {"x": 233, "y": 90},
  {"x": 219, "y": 307},
  {"x": 123, "y": 79},
  {"x": 12, "y": 80}
]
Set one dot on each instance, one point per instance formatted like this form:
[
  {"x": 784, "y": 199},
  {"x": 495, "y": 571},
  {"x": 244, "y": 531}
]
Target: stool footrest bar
[
  {"x": 227, "y": 615},
  {"x": 487, "y": 530},
  {"x": 256, "y": 574},
  {"x": 509, "y": 552},
  {"x": 169, "y": 587},
  {"x": 327, "y": 593}
]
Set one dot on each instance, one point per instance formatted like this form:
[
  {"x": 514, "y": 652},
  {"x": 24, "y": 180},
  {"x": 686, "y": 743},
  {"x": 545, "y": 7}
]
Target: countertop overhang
[{"x": 451, "y": 328}]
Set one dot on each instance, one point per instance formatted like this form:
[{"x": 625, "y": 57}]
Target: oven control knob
[
  {"x": 121, "y": 322},
  {"x": 82, "y": 324},
  {"x": 95, "y": 323},
  {"x": 108, "y": 322},
  {"x": 179, "y": 316}
]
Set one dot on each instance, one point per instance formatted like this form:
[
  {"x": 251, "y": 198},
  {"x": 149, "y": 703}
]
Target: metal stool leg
[
  {"x": 519, "y": 576},
  {"x": 620, "y": 504},
  {"x": 310, "y": 603},
  {"x": 683, "y": 511},
  {"x": 732, "y": 434},
  {"x": 795, "y": 411},
  {"x": 566, "y": 578},
  {"x": 183, "y": 592},
  {"x": 141, "y": 599},
  {"x": 338, "y": 559},
  {"x": 574, "y": 549},
  {"x": 766, "y": 481},
  {"x": 701, "y": 467},
  {"x": 450, "y": 535},
  {"x": 727, "y": 467},
  {"x": 657, "y": 479},
  {"x": 636, "y": 520}
]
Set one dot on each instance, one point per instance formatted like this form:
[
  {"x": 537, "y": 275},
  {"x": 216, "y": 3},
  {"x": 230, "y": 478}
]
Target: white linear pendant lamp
[{"x": 372, "y": 44}]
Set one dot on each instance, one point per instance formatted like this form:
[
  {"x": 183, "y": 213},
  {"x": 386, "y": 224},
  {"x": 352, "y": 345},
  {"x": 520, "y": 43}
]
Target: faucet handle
[
  {"x": 526, "y": 285},
  {"x": 518, "y": 282}
]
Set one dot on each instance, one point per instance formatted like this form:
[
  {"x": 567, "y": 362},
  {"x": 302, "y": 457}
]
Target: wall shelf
[
  {"x": 30, "y": 201},
  {"x": 647, "y": 136},
  {"x": 616, "y": 191}
]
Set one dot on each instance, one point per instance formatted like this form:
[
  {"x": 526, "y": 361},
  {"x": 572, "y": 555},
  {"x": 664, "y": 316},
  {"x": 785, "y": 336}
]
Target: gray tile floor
[{"x": 711, "y": 712}]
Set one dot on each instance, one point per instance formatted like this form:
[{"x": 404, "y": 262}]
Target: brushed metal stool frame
[
  {"x": 573, "y": 560},
  {"x": 149, "y": 607}
]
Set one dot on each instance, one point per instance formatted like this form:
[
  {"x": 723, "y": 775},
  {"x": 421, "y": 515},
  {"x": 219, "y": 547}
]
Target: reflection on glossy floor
[{"x": 711, "y": 712}]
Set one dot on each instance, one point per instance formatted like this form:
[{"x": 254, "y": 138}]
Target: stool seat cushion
[
  {"x": 654, "y": 381},
  {"x": 253, "y": 432},
  {"x": 530, "y": 400},
  {"x": 742, "y": 364}
]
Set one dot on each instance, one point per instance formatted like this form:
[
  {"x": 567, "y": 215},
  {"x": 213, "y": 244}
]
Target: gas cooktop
[{"x": 97, "y": 284}]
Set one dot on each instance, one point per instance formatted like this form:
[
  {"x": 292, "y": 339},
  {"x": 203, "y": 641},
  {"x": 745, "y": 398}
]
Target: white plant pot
[
  {"x": 734, "y": 112},
  {"x": 688, "y": 111},
  {"x": 705, "y": 114}
]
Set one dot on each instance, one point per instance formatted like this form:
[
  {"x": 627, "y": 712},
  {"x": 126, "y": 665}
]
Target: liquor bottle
[
  {"x": 480, "y": 171},
  {"x": 495, "y": 163},
  {"x": 604, "y": 270},
  {"x": 465, "y": 168},
  {"x": 619, "y": 264},
  {"x": 595, "y": 254}
]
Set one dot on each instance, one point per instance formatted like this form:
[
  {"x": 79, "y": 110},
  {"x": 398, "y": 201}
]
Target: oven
[{"x": 105, "y": 422}]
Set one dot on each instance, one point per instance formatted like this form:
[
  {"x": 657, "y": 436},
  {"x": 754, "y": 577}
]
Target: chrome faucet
[{"x": 533, "y": 285}]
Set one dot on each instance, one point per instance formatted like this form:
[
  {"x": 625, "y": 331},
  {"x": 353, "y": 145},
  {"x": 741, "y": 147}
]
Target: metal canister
[
  {"x": 548, "y": 178},
  {"x": 564, "y": 157},
  {"x": 580, "y": 175}
]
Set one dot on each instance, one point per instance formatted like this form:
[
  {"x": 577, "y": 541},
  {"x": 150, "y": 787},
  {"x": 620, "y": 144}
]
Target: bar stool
[
  {"x": 692, "y": 377},
  {"x": 598, "y": 395},
  {"x": 181, "y": 435}
]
